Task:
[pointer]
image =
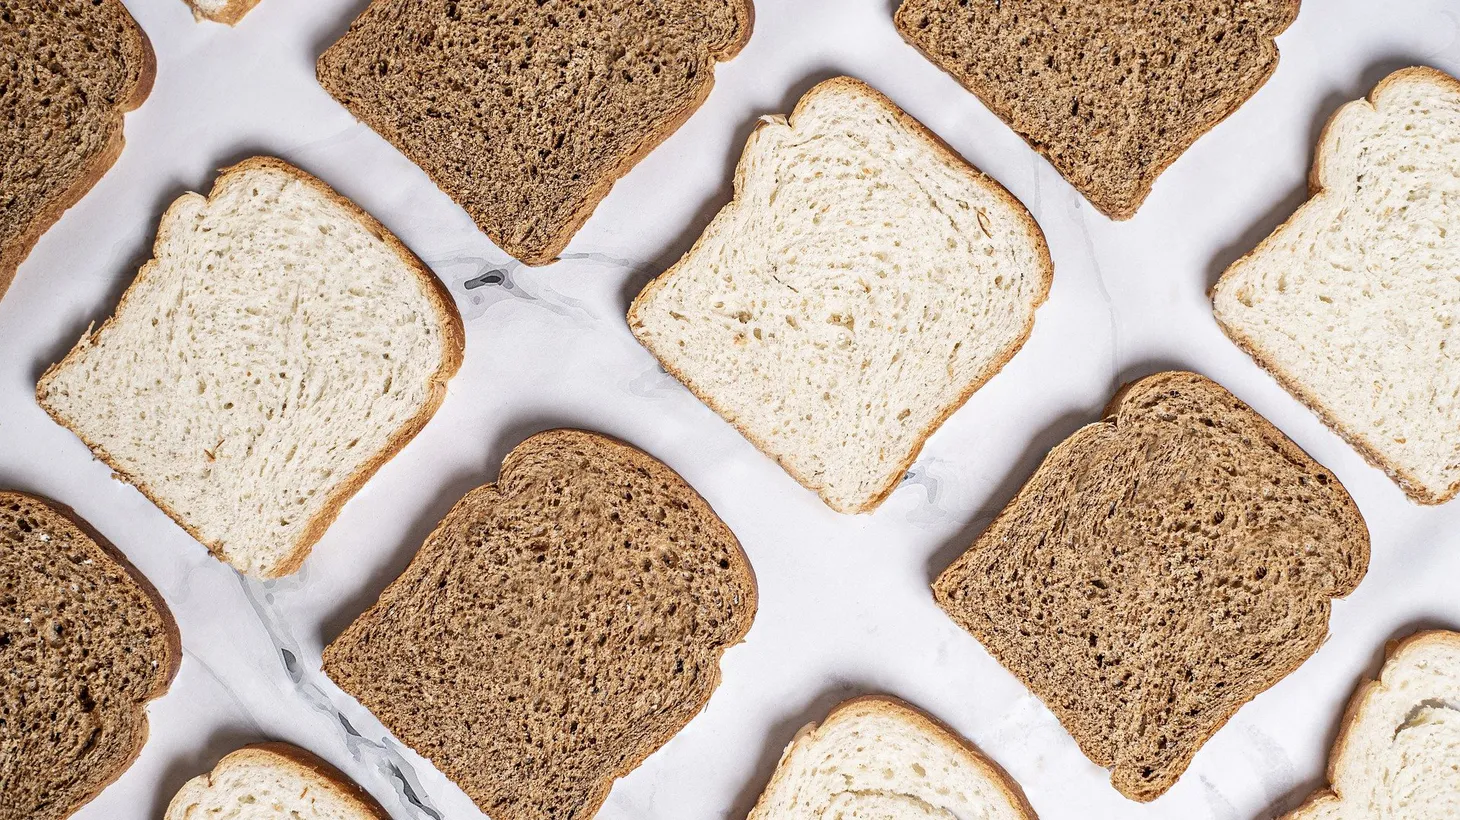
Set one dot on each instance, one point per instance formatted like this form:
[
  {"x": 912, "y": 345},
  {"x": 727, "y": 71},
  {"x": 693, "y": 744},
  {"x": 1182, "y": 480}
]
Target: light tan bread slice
[
  {"x": 277, "y": 350},
  {"x": 272, "y": 781},
  {"x": 1352, "y": 304},
  {"x": 877, "y": 758},
  {"x": 556, "y": 629},
  {"x": 221, "y": 11},
  {"x": 1398, "y": 752},
  {"x": 85, "y": 643},
  {"x": 862, "y": 284},
  {"x": 1160, "y": 569},
  {"x": 73, "y": 68}
]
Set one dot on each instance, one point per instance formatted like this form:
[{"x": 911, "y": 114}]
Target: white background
[{"x": 845, "y": 607}]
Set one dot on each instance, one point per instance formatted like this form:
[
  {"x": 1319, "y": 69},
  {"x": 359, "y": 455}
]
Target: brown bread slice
[
  {"x": 71, "y": 68},
  {"x": 557, "y": 628},
  {"x": 527, "y": 111},
  {"x": 1160, "y": 569},
  {"x": 1111, "y": 92},
  {"x": 85, "y": 643}
]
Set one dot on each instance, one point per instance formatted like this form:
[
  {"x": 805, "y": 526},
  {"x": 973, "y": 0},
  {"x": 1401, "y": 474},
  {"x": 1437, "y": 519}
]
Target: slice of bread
[
  {"x": 1111, "y": 93},
  {"x": 863, "y": 283},
  {"x": 222, "y": 11},
  {"x": 272, "y": 781},
  {"x": 1352, "y": 303},
  {"x": 73, "y": 68},
  {"x": 85, "y": 643},
  {"x": 557, "y": 628},
  {"x": 526, "y": 112},
  {"x": 1397, "y": 753},
  {"x": 877, "y": 758},
  {"x": 1160, "y": 569},
  {"x": 279, "y": 347}
]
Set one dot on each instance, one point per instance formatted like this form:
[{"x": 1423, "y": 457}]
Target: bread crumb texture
[
  {"x": 1160, "y": 569},
  {"x": 272, "y": 781},
  {"x": 1397, "y": 752},
  {"x": 274, "y": 351},
  {"x": 558, "y": 627},
  {"x": 1111, "y": 93},
  {"x": 876, "y": 758},
  {"x": 862, "y": 284},
  {"x": 1352, "y": 303},
  {"x": 84, "y": 645}
]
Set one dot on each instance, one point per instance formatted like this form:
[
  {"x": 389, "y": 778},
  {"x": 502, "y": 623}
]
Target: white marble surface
[{"x": 844, "y": 602}]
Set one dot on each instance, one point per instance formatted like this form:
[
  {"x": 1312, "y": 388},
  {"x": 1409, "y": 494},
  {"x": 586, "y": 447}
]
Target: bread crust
[
  {"x": 320, "y": 774},
  {"x": 1147, "y": 181},
  {"x": 453, "y": 344},
  {"x": 651, "y": 139},
  {"x": 13, "y": 254},
  {"x": 173, "y": 636},
  {"x": 900, "y": 709},
  {"x": 1290, "y": 382},
  {"x": 951, "y": 159},
  {"x": 230, "y": 13}
]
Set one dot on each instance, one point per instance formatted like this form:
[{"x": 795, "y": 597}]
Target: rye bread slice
[
  {"x": 85, "y": 643},
  {"x": 1160, "y": 569},
  {"x": 557, "y": 628},
  {"x": 71, "y": 69},
  {"x": 1110, "y": 92},
  {"x": 527, "y": 111}
]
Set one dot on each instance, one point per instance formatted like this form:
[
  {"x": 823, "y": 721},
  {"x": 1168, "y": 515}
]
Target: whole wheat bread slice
[
  {"x": 1160, "y": 569},
  {"x": 527, "y": 111},
  {"x": 277, "y": 350},
  {"x": 85, "y": 643},
  {"x": 1396, "y": 752},
  {"x": 272, "y": 781},
  {"x": 877, "y": 758},
  {"x": 1351, "y": 304},
  {"x": 221, "y": 11},
  {"x": 1110, "y": 92},
  {"x": 557, "y": 628},
  {"x": 71, "y": 69},
  {"x": 862, "y": 284}
]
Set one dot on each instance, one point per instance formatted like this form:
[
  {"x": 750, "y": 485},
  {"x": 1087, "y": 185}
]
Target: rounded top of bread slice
[{"x": 270, "y": 781}]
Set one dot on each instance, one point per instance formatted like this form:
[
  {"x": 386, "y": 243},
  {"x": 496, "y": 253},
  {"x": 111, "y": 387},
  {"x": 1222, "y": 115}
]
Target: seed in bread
[
  {"x": 1352, "y": 303},
  {"x": 1160, "y": 569},
  {"x": 557, "y": 628},
  {"x": 272, "y": 781},
  {"x": 85, "y": 643},
  {"x": 862, "y": 284},
  {"x": 280, "y": 346}
]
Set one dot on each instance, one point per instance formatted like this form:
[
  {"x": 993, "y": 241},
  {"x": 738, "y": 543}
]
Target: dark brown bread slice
[
  {"x": 85, "y": 643},
  {"x": 69, "y": 69},
  {"x": 555, "y": 629},
  {"x": 1111, "y": 92},
  {"x": 527, "y": 111},
  {"x": 1160, "y": 569}
]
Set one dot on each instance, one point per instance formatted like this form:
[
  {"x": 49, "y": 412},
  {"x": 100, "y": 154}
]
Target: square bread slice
[
  {"x": 862, "y": 284},
  {"x": 221, "y": 11},
  {"x": 72, "y": 68},
  {"x": 279, "y": 347},
  {"x": 1353, "y": 303},
  {"x": 877, "y": 758},
  {"x": 86, "y": 643},
  {"x": 1397, "y": 751},
  {"x": 1110, "y": 92},
  {"x": 557, "y": 628},
  {"x": 1160, "y": 569},
  {"x": 525, "y": 112},
  {"x": 272, "y": 781}
]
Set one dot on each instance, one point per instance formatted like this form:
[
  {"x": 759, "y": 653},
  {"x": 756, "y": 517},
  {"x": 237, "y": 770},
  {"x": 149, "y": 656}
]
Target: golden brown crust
[
  {"x": 309, "y": 766},
  {"x": 953, "y": 160},
  {"x": 1411, "y": 485},
  {"x": 453, "y": 343},
  {"x": 230, "y": 14}
]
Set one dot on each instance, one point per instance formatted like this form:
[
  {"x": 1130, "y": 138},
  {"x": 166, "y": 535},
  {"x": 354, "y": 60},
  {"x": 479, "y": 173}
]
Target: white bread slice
[
  {"x": 1352, "y": 303},
  {"x": 862, "y": 284},
  {"x": 877, "y": 758},
  {"x": 278, "y": 349},
  {"x": 222, "y": 11},
  {"x": 272, "y": 781},
  {"x": 1398, "y": 753}
]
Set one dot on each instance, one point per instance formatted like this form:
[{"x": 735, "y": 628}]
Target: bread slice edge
[{"x": 310, "y": 767}]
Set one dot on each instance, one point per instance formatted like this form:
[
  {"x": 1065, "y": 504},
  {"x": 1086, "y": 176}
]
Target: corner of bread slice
[{"x": 279, "y": 778}]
